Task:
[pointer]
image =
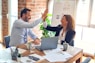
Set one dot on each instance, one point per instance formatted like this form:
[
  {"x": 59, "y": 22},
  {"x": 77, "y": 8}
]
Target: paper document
[
  {"x": 57, "y": 57},
  {"x": 59, "y": 47},
  {"x": 51, "y": 51}
]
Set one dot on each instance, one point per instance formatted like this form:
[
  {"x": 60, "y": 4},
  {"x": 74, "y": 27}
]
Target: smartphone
[{"x": 34, "y": 58}]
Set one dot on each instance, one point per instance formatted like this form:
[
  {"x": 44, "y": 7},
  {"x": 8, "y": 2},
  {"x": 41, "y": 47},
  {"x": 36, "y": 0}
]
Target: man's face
[{"x": 27, "y": 16}]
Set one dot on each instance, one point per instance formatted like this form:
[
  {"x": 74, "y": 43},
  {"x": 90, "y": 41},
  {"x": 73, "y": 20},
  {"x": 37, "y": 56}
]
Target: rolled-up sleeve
[
  {"x": 23, "y": 24},
  {"x": 31, "y": 34}
]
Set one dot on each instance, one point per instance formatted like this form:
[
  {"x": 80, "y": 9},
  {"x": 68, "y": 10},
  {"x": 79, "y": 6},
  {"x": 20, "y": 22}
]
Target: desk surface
[{"x": 77, "y": 54}]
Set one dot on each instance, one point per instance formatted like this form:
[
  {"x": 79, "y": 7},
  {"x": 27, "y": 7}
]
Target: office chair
[
  {"x": 7, "y": 40},
  {"x": 87, "y": 60}
]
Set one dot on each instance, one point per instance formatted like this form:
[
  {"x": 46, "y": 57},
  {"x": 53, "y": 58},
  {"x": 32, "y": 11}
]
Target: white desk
[{"x": 76, "y": 53}]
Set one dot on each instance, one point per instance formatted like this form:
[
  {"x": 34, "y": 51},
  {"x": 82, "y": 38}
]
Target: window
[
  {"x": 82, "y": 17},
  {"x": 93, "y": 13},
  {"x": 50, "y": 6},
  {"x": 12, "y": 12},
  {"x": 0, "y": 20},
  {"x": 85, "y": 15}
]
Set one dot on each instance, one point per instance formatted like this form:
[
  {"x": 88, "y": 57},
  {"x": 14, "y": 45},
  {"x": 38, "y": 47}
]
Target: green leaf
[
  {"x": 45, "y": 32},
  {"x": 49, "y": 15}
]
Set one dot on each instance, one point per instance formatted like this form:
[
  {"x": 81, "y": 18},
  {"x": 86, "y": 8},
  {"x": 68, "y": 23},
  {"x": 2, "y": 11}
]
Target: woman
[{"x": 65, "y": 31}]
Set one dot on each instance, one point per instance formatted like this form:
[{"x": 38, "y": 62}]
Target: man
[{"x": 21, "y": 28}]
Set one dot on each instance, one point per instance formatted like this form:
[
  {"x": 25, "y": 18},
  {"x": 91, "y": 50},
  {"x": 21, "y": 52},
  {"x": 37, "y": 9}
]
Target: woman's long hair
[{"x": 71, "y": 22}]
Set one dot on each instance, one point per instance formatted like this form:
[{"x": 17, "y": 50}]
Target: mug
[{"x": 65, "y": 46}]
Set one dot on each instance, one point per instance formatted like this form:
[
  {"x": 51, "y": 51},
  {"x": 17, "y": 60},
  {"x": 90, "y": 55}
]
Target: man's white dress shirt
[{"x": 20, "y": 31}]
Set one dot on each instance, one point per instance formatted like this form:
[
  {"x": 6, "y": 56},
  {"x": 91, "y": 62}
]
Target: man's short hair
[{"x": 24, "y": 11}]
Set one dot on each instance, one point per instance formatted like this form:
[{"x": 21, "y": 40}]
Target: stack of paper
[
  {"x": 57, "y": 56},
  {"x": 51, "y": 51}
]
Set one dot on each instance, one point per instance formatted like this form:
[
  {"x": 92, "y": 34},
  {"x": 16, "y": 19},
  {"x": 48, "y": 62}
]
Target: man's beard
[{"x": 26, "y": 20}]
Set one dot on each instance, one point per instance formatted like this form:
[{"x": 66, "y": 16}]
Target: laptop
[{"x": 48, "y": 43}]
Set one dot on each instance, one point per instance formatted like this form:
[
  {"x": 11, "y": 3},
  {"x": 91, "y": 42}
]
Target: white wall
[{"x": 62, "y": 7}]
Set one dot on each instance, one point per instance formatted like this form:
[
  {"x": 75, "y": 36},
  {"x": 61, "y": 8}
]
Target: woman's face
[{"x": 64, "y": 21}]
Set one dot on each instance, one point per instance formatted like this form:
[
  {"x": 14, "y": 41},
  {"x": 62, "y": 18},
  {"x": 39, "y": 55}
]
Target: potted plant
[{"x": 46, "y": 33}]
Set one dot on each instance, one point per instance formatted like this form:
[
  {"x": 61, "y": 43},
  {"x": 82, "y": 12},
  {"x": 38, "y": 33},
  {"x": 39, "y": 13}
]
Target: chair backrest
[
  {"x": 87, "y": 60},
  {"x": 7, "y": 40}
]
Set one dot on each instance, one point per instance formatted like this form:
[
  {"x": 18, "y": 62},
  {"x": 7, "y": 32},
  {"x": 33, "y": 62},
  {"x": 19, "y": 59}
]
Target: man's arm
[
  {"x": 34, "y": 37},
  {"x": 23, "y": 24},
  {"x": 31, "y": 34}
]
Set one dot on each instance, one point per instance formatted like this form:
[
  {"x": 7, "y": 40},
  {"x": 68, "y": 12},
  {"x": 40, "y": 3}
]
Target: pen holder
[
  {"x": 65, "y": 46},
  {"x": 14, "y": 54}
]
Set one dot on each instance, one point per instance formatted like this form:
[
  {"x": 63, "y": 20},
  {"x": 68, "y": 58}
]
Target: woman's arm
[{"x": 51, "y": 28}]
